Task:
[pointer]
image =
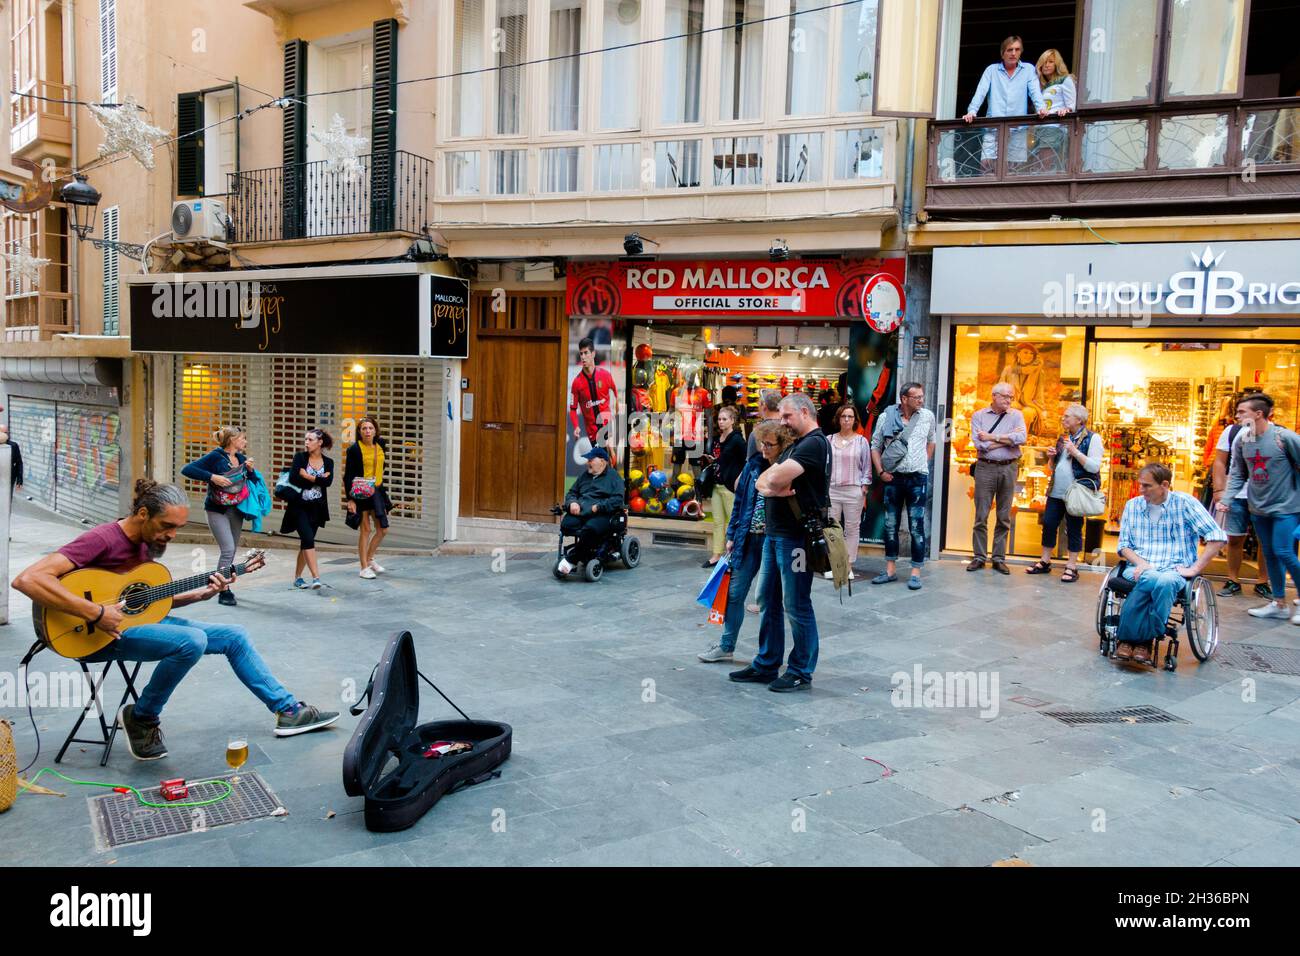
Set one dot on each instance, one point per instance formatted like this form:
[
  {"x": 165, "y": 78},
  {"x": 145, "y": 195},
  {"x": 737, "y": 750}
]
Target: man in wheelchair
[
  {"x": 589, "y": 509},
  {"x": 1158, "y": 536}
]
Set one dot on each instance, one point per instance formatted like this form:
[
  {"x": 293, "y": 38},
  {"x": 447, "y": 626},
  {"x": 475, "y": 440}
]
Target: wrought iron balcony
[
  {"x": 1215, "y": 155},
  {"x": 391, "y": 193}
]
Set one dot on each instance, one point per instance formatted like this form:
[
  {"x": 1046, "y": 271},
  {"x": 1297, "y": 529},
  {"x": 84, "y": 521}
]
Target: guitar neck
[{"x": 183, "y": 585}]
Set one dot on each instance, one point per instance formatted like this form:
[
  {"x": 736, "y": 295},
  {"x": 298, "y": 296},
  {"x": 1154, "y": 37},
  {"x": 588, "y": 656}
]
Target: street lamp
[{"x": 82, "y": 200}]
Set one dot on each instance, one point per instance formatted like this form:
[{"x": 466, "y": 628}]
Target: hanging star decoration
[
  {"x": 125, "y": 130},
  {"x": 23, "y": 265},
  {"x": 342, "y": 152}
]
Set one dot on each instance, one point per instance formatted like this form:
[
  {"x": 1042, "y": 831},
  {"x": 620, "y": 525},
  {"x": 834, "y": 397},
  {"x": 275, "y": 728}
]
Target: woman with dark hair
[
  {"x": 850, "y": 476},
  {"x": 309, "y": 510},
  {"x": 729, "y": 453},
  {"x": 363, "y": 489},
  {"x": 226, "y": 470}
]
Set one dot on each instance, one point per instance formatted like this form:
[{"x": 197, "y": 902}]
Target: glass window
[
  {"x": 1041, "y": 150},
  {"x": 462, "y": 173},
  {"x": 1192, "y": 142},
  {"x": 738, "y": 161},
  {"x": 808, "y": 49},
  {"x": 677, "y": 163},
  {"x": 966, "y": 153},
  {"x": 681, "y": 82},
  {"x": 620, "y": 80},
  {"x": 1205, "y": 48},
  {"x": 617, "y": 167},
  {"x": 565, "y": 83},
  {"x": 509, "y": 172},
  {"x": 560, "y": 169},
  {"x": 742, "y": 60},
  {"x": 857, "y": 57},
  {"x": 467, "y": 54},
  {"x": 799, "y": 158},
  {"x": 1271, "y": 136},
  {"x": 511, "y": 41},
  {"x": 859, "y": 154},
  {"x": 1112, "y": 146},
  {"x": 1121, "y": 51}
]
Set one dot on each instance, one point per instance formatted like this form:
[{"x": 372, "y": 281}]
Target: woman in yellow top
[{"x": 365, "y": 494}]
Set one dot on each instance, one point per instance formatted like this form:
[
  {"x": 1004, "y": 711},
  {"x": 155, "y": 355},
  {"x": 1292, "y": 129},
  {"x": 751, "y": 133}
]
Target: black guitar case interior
[{"x": 384, "y": 761}]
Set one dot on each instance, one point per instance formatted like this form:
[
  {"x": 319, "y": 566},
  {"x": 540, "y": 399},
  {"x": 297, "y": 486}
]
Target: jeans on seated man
[
  {"x": 1158, "y": 537},
  {"x": 590, "y": 505}
]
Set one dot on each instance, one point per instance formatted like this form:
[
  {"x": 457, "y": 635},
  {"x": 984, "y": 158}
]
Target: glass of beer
[{"x": 236, "y": 753}]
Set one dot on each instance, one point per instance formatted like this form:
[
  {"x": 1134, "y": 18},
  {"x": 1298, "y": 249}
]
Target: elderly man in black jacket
[{"x": 590, "y": 504}]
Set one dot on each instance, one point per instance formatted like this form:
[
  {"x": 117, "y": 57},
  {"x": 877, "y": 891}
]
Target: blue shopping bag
[{"x": 711, "y": 586}]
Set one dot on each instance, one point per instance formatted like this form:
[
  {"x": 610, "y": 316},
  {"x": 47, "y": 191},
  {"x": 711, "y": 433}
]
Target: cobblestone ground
[{"x": 628, "y": 751}]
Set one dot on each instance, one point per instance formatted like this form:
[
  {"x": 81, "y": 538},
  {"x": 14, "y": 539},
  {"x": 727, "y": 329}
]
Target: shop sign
[
  {"x": 831, "y": 288},
  {"x": 420, "y": 315},
  {"x": 920, "y": 348}
]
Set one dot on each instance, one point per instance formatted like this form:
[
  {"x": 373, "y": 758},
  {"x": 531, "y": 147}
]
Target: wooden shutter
[
  {"x": 383, "y": 126},
  {"x": 108, "y": 50},
  {"x": 295, "y": 139},
  {"x": 908, "y": 34},
  {"x": 189, "y": 146},
  {"x": 111, "y": 276}
]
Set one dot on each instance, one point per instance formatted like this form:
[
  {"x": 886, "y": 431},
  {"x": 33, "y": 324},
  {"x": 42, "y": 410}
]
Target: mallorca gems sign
[{"x": 799, "y": 288}]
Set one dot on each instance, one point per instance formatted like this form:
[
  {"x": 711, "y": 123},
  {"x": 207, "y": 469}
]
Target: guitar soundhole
[{"x": 133, "y": 595}]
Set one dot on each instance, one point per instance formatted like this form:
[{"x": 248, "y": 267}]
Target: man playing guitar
[{"x": 157, "y": 513}]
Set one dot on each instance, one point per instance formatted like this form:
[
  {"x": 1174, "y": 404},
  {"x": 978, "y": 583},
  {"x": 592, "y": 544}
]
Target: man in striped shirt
[{"x": 1158, "y": 536}]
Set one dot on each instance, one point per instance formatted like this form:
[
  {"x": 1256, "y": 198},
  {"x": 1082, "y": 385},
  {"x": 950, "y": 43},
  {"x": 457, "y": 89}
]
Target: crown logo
[{"x": 1207, "y": 259}]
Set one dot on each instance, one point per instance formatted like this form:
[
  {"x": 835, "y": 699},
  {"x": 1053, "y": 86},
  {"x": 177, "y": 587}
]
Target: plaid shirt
[{"x": 1172, "y": 541}]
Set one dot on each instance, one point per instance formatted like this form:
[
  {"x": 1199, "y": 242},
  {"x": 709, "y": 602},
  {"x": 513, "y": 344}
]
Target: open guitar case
[{"x": 384, "y": 761}]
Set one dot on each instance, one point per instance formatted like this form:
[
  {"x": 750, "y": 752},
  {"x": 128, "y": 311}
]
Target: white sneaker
[
  {"x": 368, "y": 574},
  {"x": 1271, "y": 610},
  {"x": 564, "y": 566},
  {"x": 315, "y": 584},
  {"x": 374, "y": 566},
  {"x": 828, "y": 575}
]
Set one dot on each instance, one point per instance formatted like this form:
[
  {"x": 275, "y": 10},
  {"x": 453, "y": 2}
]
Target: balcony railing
[
  {"x": 1153, "y": 156},
  {"x": 40, "y": 120},
  {"x": 390, "y": 193}
]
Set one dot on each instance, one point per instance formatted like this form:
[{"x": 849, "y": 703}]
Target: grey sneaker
[
  {"x": 1271, "y": 610},
  {"x": 715, "y": 654},
  {"x": 302, "y": 718},
  {"x": 145, "y": 741}
]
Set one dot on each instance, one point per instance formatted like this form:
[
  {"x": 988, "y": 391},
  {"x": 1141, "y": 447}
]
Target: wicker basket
[{"x": 8, "y": 768}]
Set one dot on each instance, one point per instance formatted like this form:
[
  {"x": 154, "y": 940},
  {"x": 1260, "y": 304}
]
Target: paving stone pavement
[{"x": 629, "y": 752}]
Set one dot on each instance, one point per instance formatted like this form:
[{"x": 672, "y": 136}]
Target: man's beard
[{"x": 156, "y": 549}]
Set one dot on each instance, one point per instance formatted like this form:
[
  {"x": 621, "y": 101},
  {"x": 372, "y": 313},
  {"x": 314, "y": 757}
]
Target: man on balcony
[{"x": 1009, "y": 87}]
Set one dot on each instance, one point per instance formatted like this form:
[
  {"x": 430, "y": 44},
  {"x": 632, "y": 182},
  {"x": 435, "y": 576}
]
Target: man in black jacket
[{"x": 590, "y": 503}]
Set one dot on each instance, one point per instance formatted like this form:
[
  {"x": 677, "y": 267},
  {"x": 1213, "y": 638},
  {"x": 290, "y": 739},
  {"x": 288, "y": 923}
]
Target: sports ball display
[
  {"x": 686, "y": 478},
  {"x": 685, "y": 493},
  {"x": 658, "y": 479},
  {"x": 644, "y": 353},
  {"x": 634, "y": 476},
  {"x": 637, "y": 504},
  {"x": 673, "y": 507},
  {"x": 654, "y": 506},
  {"x": 692, "y": 509}
]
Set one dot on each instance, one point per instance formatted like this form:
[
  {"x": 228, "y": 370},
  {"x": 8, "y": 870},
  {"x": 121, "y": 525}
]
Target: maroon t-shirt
[{"x": 106, "y": 547}]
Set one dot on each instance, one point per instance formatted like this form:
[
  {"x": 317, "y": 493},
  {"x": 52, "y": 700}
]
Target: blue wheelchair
[{"x": 1194, "y": 612}]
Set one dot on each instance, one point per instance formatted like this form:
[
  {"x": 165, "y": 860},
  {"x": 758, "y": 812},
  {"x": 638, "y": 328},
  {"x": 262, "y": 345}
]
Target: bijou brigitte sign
[{"x": 831, "y": 288}]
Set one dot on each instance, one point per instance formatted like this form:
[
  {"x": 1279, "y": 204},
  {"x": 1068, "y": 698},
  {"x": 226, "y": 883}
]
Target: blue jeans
[
  {"x": 1277, "y": 539},
  {"x": 783, "y": 585},
  {"x": 746, "y": 565},
  {"x": 177, "y": 644},
  {"x": 906, "y": 490},
  {"x": 1146, "y": 610}
]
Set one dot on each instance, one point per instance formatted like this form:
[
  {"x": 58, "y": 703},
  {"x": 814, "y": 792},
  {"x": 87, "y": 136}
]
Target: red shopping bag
[{"x": 718, "y": 610}]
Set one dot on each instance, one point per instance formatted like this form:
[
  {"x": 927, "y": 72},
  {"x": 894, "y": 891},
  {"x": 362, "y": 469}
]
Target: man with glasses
[{"x": 901, "y": 449}]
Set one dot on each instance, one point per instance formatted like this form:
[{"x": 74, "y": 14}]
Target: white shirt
[
  {"x": 1223, "y": 446},
  {"x": 1060, "y": 94}
]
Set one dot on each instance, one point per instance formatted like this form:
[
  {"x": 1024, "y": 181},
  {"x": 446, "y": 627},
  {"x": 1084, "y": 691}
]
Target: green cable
[{"x": 138, "y": 795}]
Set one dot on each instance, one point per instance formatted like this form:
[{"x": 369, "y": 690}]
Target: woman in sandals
[
  {"x": 1077, "y": 458},
  {"x": 226, "y": 470},
  {"x": 367, "y": 500},
  {"x": 309, "y": 510}
]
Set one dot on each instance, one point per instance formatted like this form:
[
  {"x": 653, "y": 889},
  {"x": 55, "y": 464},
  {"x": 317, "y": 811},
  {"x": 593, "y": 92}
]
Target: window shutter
[
  {"x": 295, "y": 140},
  {"x": 108, "y": 50},
  {"x": 383, "y": 125},
  {"x": 111, "y": 314},
  {"x": 906, "y": 81},
  {"x": 189, "y": 145}
]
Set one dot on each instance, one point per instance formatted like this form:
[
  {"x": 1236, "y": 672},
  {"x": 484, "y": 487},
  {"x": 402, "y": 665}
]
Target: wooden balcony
[
  {"x": 1221, "y": 157},
  {"x": 41, "y": 128}
]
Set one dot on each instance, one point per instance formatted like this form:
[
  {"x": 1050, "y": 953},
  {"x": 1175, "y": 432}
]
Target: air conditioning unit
[{"x": 194, "y": 220}]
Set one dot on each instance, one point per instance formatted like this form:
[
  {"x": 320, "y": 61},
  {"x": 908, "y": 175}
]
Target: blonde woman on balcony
[{"x": 1050, "y": 145}]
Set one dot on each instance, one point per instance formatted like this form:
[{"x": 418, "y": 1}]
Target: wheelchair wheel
[
  {"x": 1202, "y": 618},
  {"x": 631, "y": 552},
  {"x": 1108, "y": 608},
  {"x": 592, "y": 570}
]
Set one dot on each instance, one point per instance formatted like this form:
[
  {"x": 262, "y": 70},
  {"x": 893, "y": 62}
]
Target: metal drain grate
[
  {"x": 674, "y": 540},
  {"x": 1124, "y": 715},
  {"x": 1256, "y": 657},
  {"x": 118, "y": 819}
]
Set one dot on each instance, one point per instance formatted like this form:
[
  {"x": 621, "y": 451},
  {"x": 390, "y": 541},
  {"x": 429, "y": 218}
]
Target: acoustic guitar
[{"x": 145, "y": 593}]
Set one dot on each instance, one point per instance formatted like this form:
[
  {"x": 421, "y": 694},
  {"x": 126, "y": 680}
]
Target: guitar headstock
[{"x": 254, "y": 559}]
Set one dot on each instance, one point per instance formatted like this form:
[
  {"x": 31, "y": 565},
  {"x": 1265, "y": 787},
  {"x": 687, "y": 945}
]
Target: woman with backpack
[
  {"x": 366, "y": 498},
  {"x": 306, "y": 507},
  {"x": 1077, "y": 458},
  {"x": 226, "y": 470}
]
